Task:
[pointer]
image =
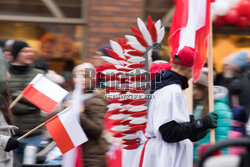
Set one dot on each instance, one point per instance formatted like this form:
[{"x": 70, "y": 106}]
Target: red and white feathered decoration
[{"x": 125, "y": 80}]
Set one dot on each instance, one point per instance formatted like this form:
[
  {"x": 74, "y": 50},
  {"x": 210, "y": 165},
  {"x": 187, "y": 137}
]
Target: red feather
[
  {"x": 137, "y": 90},
  {"x": 139, "y": 127},
  {"x": 151, "y": 28},
  {"x": 139, "y": 114},
  {"x": 115, "y": 111},
  {"x": 131, "y": 147},
  {"x": 119, "y": 134},
  {"x": 139, "y": 36},
  {"x": 136, "y": 53},
  {"x": 126, "y": 122},
  {"x": 129, "y": 131},
  {"x": 138, "y": 102},
  {"x": 114, "y": 55},
  {"x": 108, "y": 66},
  {"x": 137, "y": 65}
]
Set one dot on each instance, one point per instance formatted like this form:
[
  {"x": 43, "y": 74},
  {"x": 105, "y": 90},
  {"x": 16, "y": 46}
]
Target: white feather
[
  {"x": 117, "y": 48},
  {"x": 130, "y": 136},
  {"x": 136, "y": 59},
  {"x": 138, "y": 108},
  {"x": 111, "y": 60},
  {"x": 120, "y": 128},
  {"x": 137, "y": 72},
  {"x": 139, "y": 120},
  {"x": 144, "y": 32},
  {"x": 113, "y": 106},
  {"x": 161, "y": 34},
  {"x": 118, "y": 116},
  {"x": 131, "y": 38},
  {"x": 126, "y": 107},
  {"x": 137, "y": 46},
  {"x": 124, "y": 62},
  {"x": 158, "y": 27}
]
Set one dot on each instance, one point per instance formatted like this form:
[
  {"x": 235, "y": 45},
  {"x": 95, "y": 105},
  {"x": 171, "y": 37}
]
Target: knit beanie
[
  {"x": 102, "y": 49},
  {"x": 240, "y": 58},
  {"x": 17, "y": 47},
  {"x": 203, "y": 79}
]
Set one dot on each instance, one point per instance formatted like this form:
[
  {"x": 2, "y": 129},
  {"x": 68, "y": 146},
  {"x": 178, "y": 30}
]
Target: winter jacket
[
  {"x": 92, "y": 123},
  {"x": 26, "y": 115},
  {"x": 222, "y": 109},
  {"x": 92, "y": 120},
  {"x": 6, "y": 158},
  {"x": 241, "y": 88}
]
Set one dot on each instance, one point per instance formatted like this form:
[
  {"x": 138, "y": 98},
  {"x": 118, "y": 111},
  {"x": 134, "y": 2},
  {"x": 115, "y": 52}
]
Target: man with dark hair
[
  {"x": 169, "y": 132},
  {"x": 26, "y": 115}
]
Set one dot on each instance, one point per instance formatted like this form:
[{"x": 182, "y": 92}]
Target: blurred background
[{"x": 66, "y": 32}]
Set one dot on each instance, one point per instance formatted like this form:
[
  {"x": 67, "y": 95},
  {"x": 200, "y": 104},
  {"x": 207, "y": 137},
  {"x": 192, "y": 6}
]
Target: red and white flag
[
  {"x": 191, "y": 27},
  {"x": 66, "y": 130},
  {"x": 44, "y": 93}
]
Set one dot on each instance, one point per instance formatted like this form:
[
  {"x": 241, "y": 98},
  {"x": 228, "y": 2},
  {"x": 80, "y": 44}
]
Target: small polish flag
[
  {"x": 44, "y": 93},
  {"x": 66, "y": 130}
]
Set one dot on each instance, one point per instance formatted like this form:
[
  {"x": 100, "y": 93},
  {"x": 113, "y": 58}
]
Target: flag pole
[
  {"x": 15, "y": 101},
  {"x": 189, "y": 95},
  {"x": 211, "y": 78},
  {"x": 31, "y": 131}
]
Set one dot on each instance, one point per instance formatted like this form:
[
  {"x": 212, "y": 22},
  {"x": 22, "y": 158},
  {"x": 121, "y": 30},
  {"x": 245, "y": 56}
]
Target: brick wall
[{"x": 109, "y": 20}]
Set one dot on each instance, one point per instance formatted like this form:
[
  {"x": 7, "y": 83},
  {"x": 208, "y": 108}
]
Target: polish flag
[
  {"x": 191, "y": 27},
  {"x": 44, "y": 93},
  {"x": 66, "y": 130}
]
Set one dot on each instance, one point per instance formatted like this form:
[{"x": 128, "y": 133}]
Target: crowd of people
[{"x": 174, "y": 127}]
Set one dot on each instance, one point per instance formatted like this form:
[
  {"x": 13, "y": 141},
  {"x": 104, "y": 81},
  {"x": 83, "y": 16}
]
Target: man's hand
[{"x": 210, "y": 120}]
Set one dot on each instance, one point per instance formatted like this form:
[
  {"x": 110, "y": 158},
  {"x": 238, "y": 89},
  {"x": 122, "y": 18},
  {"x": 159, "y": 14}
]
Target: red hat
[{"x": 185, "y": 57}]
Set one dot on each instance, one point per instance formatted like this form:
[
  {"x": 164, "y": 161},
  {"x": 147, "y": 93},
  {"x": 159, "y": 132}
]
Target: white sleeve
[{"x": 170, "y": 106}]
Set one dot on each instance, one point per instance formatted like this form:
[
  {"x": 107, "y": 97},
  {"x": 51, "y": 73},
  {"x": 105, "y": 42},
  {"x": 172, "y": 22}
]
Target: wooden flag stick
[
  {"x": 189, "y": 95},
  {"x": 31, "y": 131},
  {"x": 211, "y": 78},
  {"x": 15, "y": 101}
]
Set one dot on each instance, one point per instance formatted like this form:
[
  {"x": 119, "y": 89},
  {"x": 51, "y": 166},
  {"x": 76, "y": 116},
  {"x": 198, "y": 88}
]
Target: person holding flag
[
  {"x": 92, "y": 109},
  {"x": 170, "y": 132},
  {"x": 27, "y": 116}
]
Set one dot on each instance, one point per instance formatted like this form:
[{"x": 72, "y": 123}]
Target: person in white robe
[{"x": 170, "y": 132}]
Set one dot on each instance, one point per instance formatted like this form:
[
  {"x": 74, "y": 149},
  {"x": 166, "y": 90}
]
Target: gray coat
[{"x": 6, "y": 158}]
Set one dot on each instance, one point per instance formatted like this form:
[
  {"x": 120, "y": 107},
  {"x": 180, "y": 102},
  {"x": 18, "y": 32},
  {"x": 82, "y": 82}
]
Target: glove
[
  {"x": 11, "y": 144},
  {"x": 210, "y": 120}
]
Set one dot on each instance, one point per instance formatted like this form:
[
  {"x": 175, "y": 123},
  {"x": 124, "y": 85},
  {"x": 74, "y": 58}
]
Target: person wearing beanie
[
  {"x": 26, "y": 115},
  {"x": 240, "y": 87},
  {"x": 169, "y": 131},
  {"x": 98, "y": 62}
]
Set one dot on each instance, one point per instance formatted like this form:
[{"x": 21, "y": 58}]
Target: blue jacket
[{"x": 225, "y": 116}]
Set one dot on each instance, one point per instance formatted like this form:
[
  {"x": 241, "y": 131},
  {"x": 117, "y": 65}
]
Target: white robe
[{"x": 167, "y": 104}]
